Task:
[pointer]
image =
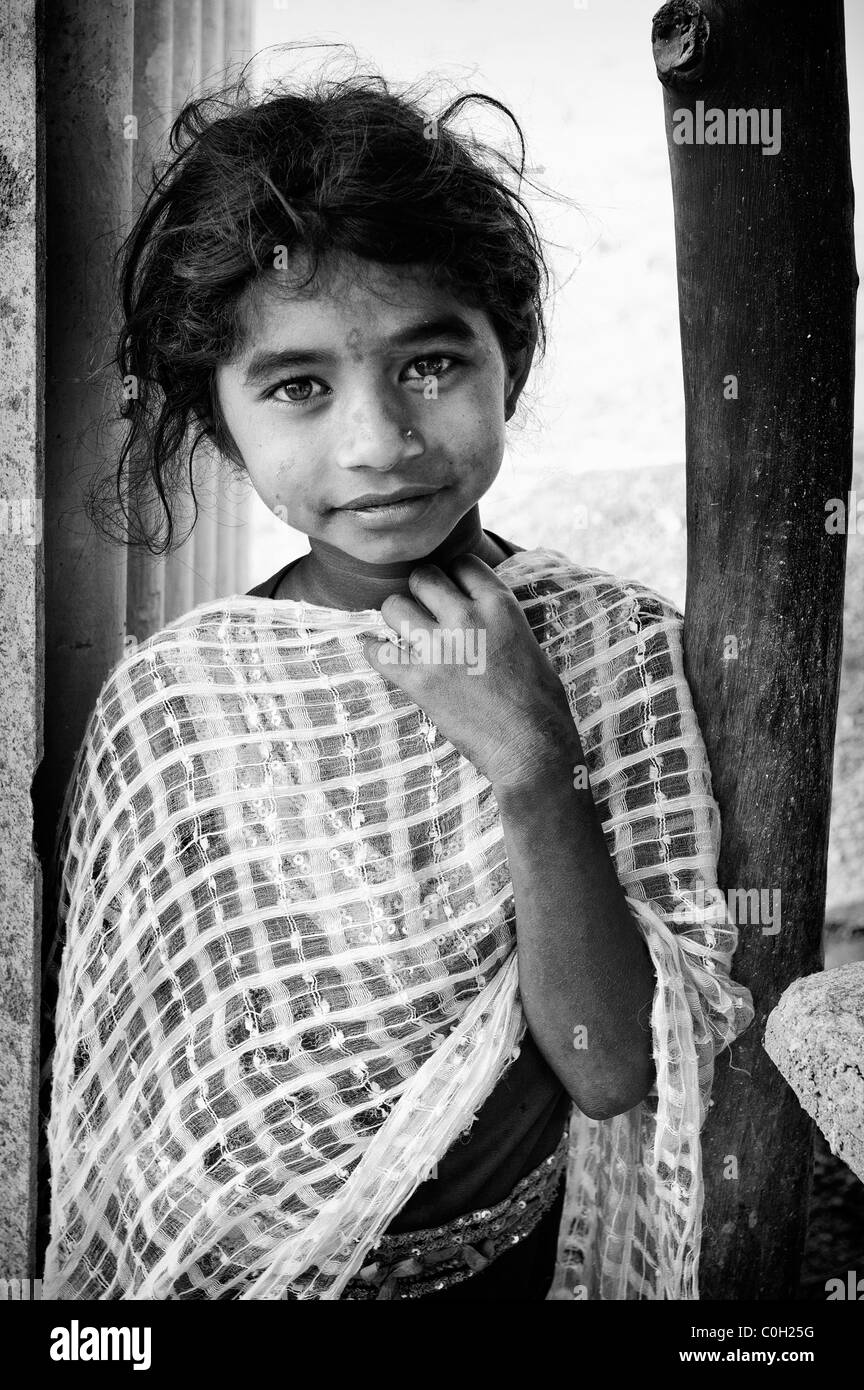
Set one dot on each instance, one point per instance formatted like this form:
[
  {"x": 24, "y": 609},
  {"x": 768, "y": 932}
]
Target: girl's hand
[{"x": 476, "y": 669}]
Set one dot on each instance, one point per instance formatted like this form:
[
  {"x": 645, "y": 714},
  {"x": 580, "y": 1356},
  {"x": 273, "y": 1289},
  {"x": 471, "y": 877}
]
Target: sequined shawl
[{"x": 289, "y": 978}]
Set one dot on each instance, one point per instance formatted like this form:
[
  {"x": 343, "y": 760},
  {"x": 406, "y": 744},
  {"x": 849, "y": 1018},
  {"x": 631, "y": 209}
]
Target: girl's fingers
[
  {"x": 399, "y": 609},
  {"x": 388, "y": 659},
  {"x": 475, "y": 578},
  {"x": 453, "y": 600},
  {"x": 435, "y": 590},
  {"x": 447, "y": 601}
]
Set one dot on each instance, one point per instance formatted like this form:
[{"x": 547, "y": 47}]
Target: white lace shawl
[{"x": 289, "y": 978}]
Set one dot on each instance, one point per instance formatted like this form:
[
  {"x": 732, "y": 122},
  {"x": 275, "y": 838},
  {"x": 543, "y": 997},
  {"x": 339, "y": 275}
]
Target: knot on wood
[{"x": 679, "y": 38}]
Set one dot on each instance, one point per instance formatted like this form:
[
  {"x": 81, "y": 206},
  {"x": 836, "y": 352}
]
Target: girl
[{"x": 388, "y": 973}]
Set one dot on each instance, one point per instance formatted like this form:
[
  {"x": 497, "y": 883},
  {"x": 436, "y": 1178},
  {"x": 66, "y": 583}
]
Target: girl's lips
[{"x": 394, "y": 513}]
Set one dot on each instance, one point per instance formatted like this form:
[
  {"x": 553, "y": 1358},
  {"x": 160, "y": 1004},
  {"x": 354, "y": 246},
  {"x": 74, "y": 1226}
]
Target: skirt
[{"x": 507, "y": 1251}]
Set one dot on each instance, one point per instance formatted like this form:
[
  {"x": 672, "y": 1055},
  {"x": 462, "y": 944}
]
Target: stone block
[{"x": 815, "y": 1037}]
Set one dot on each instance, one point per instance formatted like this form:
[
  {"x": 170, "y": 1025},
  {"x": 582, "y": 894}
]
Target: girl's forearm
[{"x": 585, "y": 974}]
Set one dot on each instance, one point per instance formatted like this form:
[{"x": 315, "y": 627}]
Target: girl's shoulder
[
  {"x": 134, "y": 702},
  {"x": 153, "y": 665},
  {"x": 579, "y": 589},
  {"x": 169, "y": 640}
]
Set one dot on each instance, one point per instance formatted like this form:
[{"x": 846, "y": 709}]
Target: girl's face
[{"x": 321, "y": 396}]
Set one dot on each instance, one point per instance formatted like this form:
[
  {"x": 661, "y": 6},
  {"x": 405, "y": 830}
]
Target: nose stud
[{"x": 409, "y": 434}]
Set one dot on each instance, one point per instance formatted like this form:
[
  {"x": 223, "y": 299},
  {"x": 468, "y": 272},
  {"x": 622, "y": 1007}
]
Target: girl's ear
[{"x": 520, "y": 364}]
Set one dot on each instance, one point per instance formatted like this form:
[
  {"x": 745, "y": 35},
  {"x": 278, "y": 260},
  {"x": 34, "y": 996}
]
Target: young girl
[{"x": 392, "y": 969}]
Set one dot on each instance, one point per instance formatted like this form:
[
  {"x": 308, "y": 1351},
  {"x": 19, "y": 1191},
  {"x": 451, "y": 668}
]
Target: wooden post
[
  {"x": 767, "y": 284},
  {"x": 145, "y": 573}
]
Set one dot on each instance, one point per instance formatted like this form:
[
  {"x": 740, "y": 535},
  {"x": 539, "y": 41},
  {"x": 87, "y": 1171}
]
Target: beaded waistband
[{"x": 415, "y": 1263}]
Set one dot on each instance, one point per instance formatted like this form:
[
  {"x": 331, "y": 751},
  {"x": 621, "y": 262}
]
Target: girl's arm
[
  {"x": 585, "y": 973},
  {"x": 586, "y": 977}
]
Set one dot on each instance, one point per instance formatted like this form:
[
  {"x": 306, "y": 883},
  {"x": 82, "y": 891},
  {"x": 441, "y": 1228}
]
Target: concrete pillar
[
  {"x": 152, "y": 96},
  {"x": 21, "y": 624}
]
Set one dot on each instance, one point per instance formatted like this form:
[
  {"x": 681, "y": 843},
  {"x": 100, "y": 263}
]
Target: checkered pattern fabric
[{"x": 289, "y": 977}]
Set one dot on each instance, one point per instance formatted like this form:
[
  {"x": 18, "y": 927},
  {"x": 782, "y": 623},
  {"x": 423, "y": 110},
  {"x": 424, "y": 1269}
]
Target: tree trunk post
[{"x": 767, "y": 283}]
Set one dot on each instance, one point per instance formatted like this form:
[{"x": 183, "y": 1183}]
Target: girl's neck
[{"x": 335, "y": 579}]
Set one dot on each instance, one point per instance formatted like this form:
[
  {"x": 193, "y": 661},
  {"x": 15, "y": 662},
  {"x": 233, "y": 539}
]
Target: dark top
[{"x": 517, "y": 1127}]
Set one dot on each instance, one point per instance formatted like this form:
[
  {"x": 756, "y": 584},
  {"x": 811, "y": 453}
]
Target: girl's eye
[
  {"x": 433, "y": 358},
  {"x": 297, "y": 383}
]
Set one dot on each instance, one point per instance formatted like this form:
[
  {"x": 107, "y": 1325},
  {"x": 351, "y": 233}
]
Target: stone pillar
[{"x": 21, "y": 622}]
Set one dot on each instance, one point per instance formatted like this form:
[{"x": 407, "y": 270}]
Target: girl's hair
[{"x": 345, "y": 165}]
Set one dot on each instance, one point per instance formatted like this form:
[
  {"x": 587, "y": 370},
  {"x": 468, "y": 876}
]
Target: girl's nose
[{"x": 373, "y": 434}]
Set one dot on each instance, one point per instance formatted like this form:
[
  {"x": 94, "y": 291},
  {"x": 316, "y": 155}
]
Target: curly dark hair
[{"x": 345, "y": 165}]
